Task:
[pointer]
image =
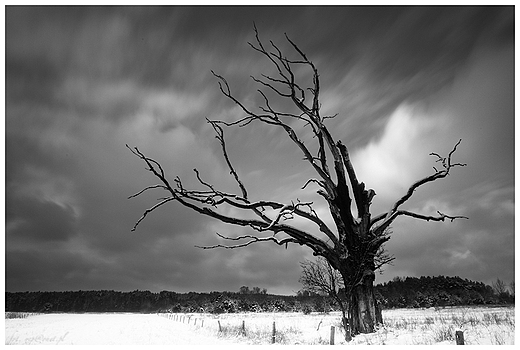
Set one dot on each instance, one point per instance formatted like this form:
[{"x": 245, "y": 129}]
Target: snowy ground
[
  {"x": 103, "y": 329},
  {"x": 494, "y": 326}
]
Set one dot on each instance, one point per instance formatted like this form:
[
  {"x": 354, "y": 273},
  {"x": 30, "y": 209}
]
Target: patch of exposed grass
[
  {"x": 443, "y": 333},
  {"x": 11, "y": 315}
]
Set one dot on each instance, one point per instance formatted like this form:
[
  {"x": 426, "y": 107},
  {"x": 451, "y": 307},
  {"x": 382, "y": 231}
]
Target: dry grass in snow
[
  {"x": 480, "y": 326},
  {"x": 495, "y": 326},
  {"x": 484, "y": 326}
]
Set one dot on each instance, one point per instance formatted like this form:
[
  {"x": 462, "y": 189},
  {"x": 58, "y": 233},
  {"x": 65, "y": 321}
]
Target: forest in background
[{"x": 409, "y": 292}]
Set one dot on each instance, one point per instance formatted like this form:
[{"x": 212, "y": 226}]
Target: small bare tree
[
  {"x": 499, "y": 286},
  {"x": 319, "y": 277},
  {"x": 352, "y": 245}
]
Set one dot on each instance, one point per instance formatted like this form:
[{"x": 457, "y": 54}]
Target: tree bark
[{"x": 364, "y": 313}]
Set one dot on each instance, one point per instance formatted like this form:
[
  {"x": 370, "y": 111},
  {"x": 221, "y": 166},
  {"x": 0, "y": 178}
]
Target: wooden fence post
[
  {"x": 331, "y": 335},
  {"x": 273, "y": 337},
  {"x": 348, "y": 336},
  {"x": 459, "y": 338},
  {"x": 219, "y": 327}
]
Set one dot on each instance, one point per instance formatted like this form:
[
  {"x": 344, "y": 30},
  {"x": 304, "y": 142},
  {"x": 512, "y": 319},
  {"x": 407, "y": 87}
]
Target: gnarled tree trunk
[
  {"x": 358, "y": 273},
  {"x": 364, "y": 312}
]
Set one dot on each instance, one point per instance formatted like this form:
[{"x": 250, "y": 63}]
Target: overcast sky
[{"x": 83, "y": 82}]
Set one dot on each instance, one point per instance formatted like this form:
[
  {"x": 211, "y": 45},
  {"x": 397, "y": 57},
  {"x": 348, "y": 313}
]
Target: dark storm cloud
[
  {"x": 46, "y": 270},
  {"x": 24, "y": 150},
  {"x": 81, "y": 82},
  {"x": 30, "y": 78},
  {"x": 38, "y": 221}
]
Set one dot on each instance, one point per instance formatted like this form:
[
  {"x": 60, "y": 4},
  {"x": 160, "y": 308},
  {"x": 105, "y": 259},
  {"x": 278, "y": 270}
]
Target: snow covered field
[
  {"x": 405, "y": 326},
  {"x": 102, "y": 329}
]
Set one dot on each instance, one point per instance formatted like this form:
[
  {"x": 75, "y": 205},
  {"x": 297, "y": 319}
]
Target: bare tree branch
[
  {"x": 146, "y": 189},
  {"x": 394, "y": 212},
  {"x": 252, "y": 239},
  {"x": 149, "y": 210},
  {"x": 220, "y": 138},
  {"x": 382, "y": 258},
  {"x": 439, "y": 174},
  {"x": 440, "y": 217}
]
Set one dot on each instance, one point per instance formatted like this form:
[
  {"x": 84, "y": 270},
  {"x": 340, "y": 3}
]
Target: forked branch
[{"x": 447, "y": 164}]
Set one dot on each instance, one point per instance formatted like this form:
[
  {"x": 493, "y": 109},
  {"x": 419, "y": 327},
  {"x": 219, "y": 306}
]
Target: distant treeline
[
  {"x": 146, "y": 301},
  {"x": 407, "y": 292},
  {"x": 413, "y": 292}
]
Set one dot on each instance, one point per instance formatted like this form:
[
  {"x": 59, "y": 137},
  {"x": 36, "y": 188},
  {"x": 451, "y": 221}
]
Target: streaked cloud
[{"x": 82, "y": 82}]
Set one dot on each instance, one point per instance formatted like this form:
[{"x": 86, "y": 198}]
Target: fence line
[
  {"x": 182, "y": 318},
  {"x": 242, "y": 328},
  {"x": 199, "y": 323}
]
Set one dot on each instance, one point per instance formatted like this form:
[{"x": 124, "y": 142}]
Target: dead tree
[{"x": 352, "y": 245}]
